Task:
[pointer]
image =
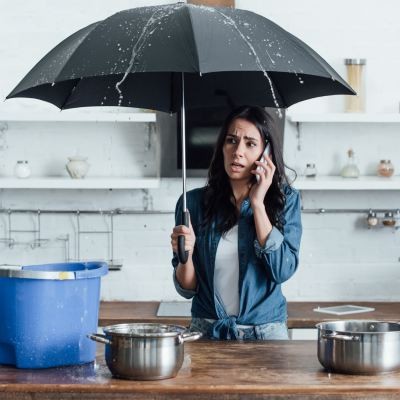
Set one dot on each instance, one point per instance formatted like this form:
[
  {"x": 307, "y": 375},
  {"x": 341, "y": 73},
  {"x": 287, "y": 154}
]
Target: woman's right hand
[{"x": 188, "y": 233}]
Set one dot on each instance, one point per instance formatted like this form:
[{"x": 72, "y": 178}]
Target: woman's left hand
[{"x": 259, "y": 189}]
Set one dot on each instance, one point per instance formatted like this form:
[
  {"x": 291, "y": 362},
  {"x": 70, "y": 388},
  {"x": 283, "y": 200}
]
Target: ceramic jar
[
  {"x": 22, "y": 169},
  {"x": 77, "y": 167}
]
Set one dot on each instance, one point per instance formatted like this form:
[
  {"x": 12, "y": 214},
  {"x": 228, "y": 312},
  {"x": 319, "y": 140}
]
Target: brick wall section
[{"x": 340, "y": 258}]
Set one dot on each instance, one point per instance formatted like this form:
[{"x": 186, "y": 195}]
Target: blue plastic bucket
[{"x": 46, "y": 311}]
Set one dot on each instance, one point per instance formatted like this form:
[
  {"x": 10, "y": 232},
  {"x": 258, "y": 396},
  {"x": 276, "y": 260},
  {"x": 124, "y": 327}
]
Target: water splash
[
  {"x": 144, "y": 35},
  {"x": 253, "y": 52}
]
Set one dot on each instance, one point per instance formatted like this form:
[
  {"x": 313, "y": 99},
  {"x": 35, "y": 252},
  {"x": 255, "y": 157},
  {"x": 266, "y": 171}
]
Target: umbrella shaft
[{"x": 183, "y": 131}]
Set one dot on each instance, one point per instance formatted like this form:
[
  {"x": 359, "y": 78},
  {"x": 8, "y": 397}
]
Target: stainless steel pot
[
  {"x": 145, "y": 351},
  {"x": 359, "y": 346}
]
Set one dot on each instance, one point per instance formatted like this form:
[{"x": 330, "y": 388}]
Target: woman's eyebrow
[
  {"x": 250, "y": 138},
  {"x": 245, "y": 137}
]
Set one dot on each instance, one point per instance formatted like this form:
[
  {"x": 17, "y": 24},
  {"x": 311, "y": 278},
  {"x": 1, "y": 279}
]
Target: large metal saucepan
[
  {"x": 359, "y": 346},
  {"x": 144, "y": 351}
]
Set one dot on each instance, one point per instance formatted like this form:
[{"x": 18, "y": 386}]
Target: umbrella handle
[{"x": 182, "y": 254}]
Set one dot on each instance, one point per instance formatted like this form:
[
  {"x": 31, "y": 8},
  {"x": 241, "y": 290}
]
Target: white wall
[{"x": 340, "y": 258}]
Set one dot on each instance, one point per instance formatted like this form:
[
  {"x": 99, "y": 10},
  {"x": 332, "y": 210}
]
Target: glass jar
[
  {"x": 385, "y": 168},
  {"x": 355, "y": 78},
  {"x": 396, "y": 218},
  {"x": 388, "y": 219},
  {"x": 22, "y": 169},
  {"x": 372, "y": 219},
  {"x": 310, "y": 171},
  {"x": 350, "y": 170}
]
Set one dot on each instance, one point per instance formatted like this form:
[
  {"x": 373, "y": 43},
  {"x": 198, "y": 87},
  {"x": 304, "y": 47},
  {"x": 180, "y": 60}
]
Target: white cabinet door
[{"x": 303, "y": 334}]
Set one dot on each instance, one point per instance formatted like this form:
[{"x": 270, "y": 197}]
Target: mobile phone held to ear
[{"x": 262, "y": 159}]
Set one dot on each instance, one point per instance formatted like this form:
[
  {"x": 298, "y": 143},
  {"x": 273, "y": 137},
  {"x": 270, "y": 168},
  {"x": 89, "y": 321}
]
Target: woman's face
[{"x": 242, "y": 146}]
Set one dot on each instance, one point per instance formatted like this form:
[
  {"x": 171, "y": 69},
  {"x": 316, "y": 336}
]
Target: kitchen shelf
[
  {"x": 87, "y": 183},
  {"x": 66, "y": 116},
  {"x": 338, "y": 183},
  {"x": 344, "y": 118}
]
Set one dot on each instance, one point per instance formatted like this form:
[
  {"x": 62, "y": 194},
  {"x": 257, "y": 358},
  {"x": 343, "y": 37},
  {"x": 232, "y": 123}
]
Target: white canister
[
  {"x": 77, "y": 167},
  {"x": 22, "y": 169}
]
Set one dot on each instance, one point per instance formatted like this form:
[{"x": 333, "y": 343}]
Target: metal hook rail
[
  {"x": 116, "y": 211},
  {"x": 37, "y": 241},
  {"x": 121, "y": 211},
  {"x": 114, "y": 264},
  {"x": 348, "y": 210}
]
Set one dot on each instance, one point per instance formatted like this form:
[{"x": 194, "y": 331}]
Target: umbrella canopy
[
  {"x": 135, "y": 59},
  {"x": 166, "y": 57}
]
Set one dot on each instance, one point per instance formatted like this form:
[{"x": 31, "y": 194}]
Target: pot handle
[
  {"x": 335, "y": 335},
  {"x": 190, "y": 336},
  {"x": 99, "y": 338}
]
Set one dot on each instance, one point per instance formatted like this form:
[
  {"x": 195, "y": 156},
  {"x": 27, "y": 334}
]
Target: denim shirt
[{"x": 262, "y": 269}]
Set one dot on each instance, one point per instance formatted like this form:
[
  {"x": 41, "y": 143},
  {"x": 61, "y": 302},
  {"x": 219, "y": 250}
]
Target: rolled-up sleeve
[
  {"x": 186, "y": 293},
  {"x": 280, "y": 254}
]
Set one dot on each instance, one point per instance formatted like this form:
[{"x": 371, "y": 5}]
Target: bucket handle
[
  {"x": 190, "y": 336},
  {"x": 337, "y": 336},
  {"x": 99, "y": 338}
]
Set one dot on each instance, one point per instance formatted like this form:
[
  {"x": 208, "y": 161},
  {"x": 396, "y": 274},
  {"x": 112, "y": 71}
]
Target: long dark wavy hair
[{"x": 219, "y": 199}]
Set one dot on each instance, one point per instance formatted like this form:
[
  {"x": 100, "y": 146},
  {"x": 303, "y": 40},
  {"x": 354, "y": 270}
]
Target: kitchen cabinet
[
  {"x": 337, "y": 182},
  {"x": 211, "y": 370}
]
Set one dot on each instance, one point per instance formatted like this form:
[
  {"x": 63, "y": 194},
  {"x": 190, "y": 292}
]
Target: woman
[{"x": 244, "y": 235}]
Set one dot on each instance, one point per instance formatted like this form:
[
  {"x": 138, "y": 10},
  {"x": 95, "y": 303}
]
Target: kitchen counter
[
  {"x": 211, "y": 370},
  {"x": 300, "y": 314}
]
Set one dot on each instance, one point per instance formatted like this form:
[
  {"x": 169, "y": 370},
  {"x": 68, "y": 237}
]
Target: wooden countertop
[
  {"x": 211, "y": 370},
  {"x": 300, "y": 314}
]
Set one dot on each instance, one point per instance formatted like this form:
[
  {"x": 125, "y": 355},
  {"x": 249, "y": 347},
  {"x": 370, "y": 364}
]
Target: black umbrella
[{"x": 168, "y": 57}]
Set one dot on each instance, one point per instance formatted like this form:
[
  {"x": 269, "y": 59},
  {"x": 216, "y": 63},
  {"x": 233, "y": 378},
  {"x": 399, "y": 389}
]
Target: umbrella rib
[
  {"x": 321, "y": 62},
  {"x": 95, "y": 25},
  {"x": 69, "y": 94},
  {"x": 193, "y": 36}
]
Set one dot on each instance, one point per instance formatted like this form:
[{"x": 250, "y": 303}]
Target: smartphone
[{"x": 266, "y": 152}]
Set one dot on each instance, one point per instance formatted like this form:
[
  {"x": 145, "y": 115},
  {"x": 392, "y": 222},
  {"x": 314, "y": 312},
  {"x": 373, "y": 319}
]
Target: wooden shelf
[
  {"x": 67, "y": 116},
  {"x": 344, "y": 118},
  {"x": 339, "y": 183},
  {"x": 87, "y": 183}
]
